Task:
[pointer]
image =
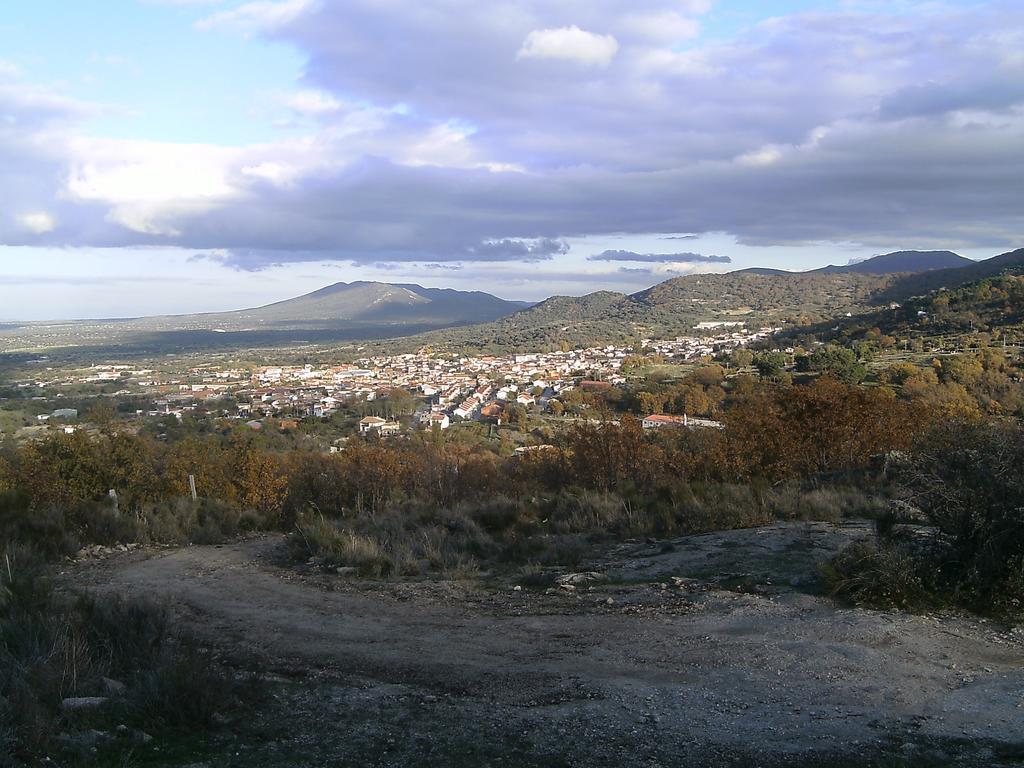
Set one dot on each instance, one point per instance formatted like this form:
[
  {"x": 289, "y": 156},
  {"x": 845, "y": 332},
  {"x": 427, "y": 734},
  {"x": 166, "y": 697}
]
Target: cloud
[
  {"x": 570, "y": 44},
  {"x": 660, "y": 258},
  {"x": 516, "y": 250},
  {"x": 259, "y": 15},
  {"x": 864, "y": 127},
  {"x": 485, "y": 251},
  {"x": 38, "y": 223},
  {"x": 313, "y": 102}
]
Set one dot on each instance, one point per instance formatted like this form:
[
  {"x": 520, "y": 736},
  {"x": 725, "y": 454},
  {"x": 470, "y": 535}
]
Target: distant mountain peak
[{"x": 903, "y": 261}]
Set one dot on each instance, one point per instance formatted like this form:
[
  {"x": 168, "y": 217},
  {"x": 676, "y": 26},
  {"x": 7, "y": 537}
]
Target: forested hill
[
  {"x": 673, "y": 307},
  {"x": 907, "y": 286},
  {"x": 668, "y": 309}
]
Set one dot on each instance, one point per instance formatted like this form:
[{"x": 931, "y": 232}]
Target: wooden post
[{"x": 192, "y": 486}]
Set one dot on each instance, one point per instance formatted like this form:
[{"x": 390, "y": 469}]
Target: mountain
[
  {"x": 916, "y": 285},
  {"x": 902, "y": 261},
  {"x": 886, "y": 264},
  {"x": 341, "y": 312},
  {"x": 368, "y": 302},
  {"x": 758, "y": 295},
  {"x": 668, "y": 309}
]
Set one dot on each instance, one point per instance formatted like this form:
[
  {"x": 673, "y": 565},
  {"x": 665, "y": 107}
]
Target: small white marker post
[{"x": 192, "y": 486}]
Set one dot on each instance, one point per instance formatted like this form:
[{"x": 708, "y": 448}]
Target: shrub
[
  {"x": 880, "y": 575},
  {"x": 334, "y": 546},
  {"x": 967, "y": 480}
]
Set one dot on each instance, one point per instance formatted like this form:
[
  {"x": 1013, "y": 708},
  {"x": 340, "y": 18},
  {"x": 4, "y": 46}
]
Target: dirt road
[{"x": 734, "y": 662}]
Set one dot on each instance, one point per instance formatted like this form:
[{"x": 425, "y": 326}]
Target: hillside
[
  {"x": 668, "y": 309},
  {"x": 903, "y": 261},
  {"x": 916, "y": 285},
  {"x": 757, "y": 295}
]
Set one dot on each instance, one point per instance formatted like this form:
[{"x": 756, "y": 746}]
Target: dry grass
[{"x": 55, "y": 647}]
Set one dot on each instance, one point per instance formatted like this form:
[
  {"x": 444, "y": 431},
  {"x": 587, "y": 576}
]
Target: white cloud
[
  {"x": 570, "y": 44},
  {"x": 666, "y": 28},
  {"x": 259, "y": 15},
  {"x": 313, "y": 103},
  {"x": 761, "y": 157},
  {"x": 38, "y": 223}
]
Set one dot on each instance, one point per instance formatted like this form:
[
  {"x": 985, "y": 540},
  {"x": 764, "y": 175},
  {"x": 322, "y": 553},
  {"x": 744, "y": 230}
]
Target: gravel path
[{"x": 640, "y": 669}]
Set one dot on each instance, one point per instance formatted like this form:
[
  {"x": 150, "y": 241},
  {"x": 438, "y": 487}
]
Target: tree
[
  {"x": 741, "y": 358},
  {"x": 770, "y": 365},
  {"x": 825, "y": 426},
  {"x": 605, "y": 456},
  {"x": 262, "y": 486},
  {"x": 7, "y": 478},
  {"x": 838, "y": 362},
  {"x": 102, "y": 414},
  {"x": 709, "y": 375}
]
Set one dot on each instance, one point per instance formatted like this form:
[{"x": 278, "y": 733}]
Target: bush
[
  {"x": 968, "y": 481},
  {"x": 56, "y": 647},
  {"x": 334, "y": 546},
  {"x": 879, "y": 575},
  {"x": 965, "y": 480}
]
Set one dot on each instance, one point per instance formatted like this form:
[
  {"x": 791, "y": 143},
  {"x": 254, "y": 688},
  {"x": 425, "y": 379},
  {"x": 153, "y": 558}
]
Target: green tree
[{"x": 770, "y": 365}]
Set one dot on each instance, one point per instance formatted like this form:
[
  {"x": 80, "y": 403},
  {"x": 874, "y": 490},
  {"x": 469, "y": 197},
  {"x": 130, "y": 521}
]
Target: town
[{"x": 436, "y": 390}]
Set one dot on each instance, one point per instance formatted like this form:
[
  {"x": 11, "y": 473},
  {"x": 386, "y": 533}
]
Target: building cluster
[{"x": 442, "y": 388}]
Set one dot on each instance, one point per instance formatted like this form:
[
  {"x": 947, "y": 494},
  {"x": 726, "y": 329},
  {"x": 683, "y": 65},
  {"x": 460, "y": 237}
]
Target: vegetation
[
  {"x": 435, "y": 502},
  {"x": 84, "y": 677},
  {"x": 965, "y": 481}
]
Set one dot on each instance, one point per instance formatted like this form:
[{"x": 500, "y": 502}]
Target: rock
[
  {"x": 517, "y": 588},
  {"x": 87, "y": 740},
  {"x": 141, "y": 737},
  {"x": 113, "y": 688},
  {"x": 346, "y": 570},
  {"x": 576, "y": 579},
  {"x": 84, "y": 703}
]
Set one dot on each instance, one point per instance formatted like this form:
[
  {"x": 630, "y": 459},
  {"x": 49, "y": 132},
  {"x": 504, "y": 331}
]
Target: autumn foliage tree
[{"x": 822, "y": 427}]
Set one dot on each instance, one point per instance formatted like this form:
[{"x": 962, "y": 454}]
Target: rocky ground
[{"x": 706, "y": 650}]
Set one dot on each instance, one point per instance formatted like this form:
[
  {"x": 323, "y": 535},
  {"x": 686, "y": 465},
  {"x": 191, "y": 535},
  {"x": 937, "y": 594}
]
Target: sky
[{"x": 163, "y": 156}]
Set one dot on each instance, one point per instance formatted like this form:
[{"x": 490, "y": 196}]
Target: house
[
  {"x": 657, "y": 421},
  {"x": 370, "y": 422},
  {"x": 525, "y": 450},
  {"x": 467, "y": 408},
  {"x": 390, "y": 428},
  {"x": 492, "y": 411},
  {"x": 439, "y": 420}
]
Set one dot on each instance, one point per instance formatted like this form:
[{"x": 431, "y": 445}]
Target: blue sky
[{"x": 183, "y": 155}]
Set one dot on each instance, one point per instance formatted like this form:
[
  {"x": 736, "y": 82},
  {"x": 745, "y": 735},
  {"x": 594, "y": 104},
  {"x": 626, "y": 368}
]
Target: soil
[{"x": 706, "y": 650}]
